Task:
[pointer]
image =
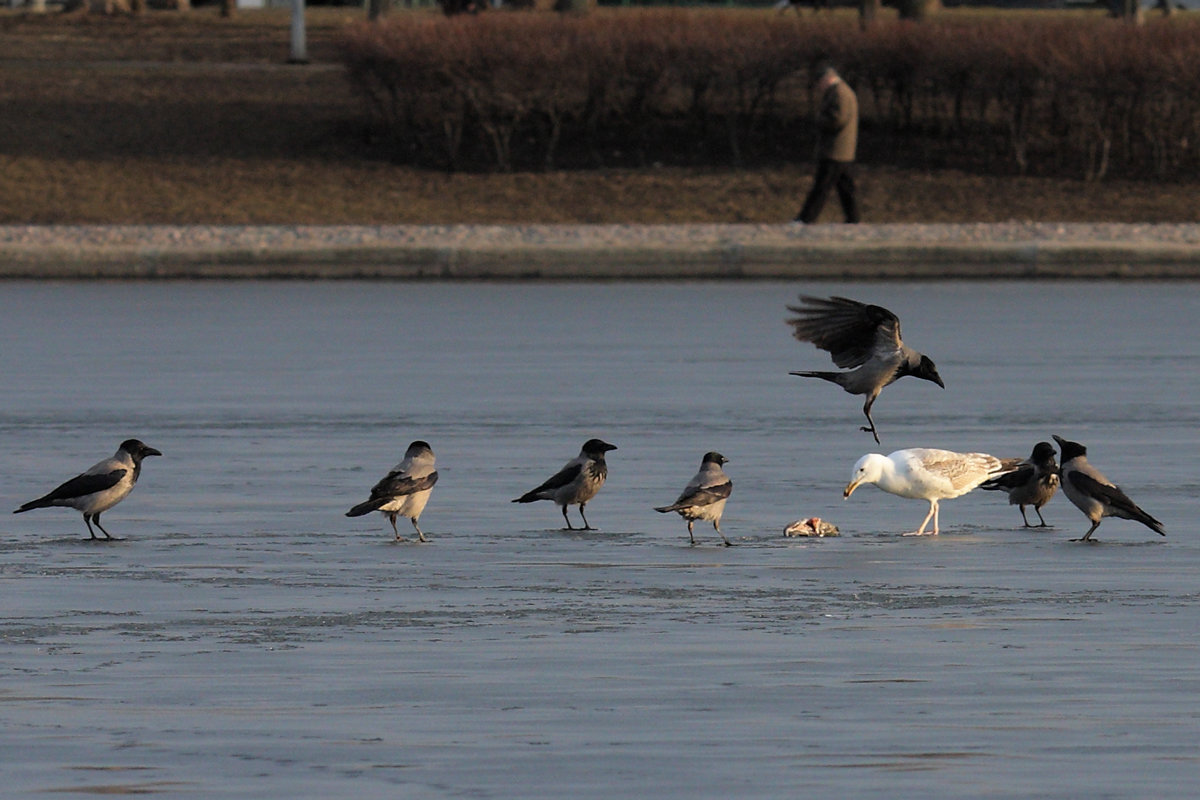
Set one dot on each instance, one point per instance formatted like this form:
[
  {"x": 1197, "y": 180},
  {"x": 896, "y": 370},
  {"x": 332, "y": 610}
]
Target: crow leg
[
  {"x": 1087, "y": 537},
  {"x": 417, "y": 528},
  {"x": 391, "y": 517},
  {"x": 567, "y": 519},
  {"x": 717, "y": 528},
  {"x": 1043, "y": 521},
  {"x": 690, "y": 535},
  {"x": 107, "y": 535},
  {"x": 1023, "y": 517},
  {"x": 867, "y": 410},
  {"x": 586, "y": 526}
]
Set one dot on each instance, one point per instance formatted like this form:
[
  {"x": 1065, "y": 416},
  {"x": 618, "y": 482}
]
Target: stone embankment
[{"x": 473, "y": 252}]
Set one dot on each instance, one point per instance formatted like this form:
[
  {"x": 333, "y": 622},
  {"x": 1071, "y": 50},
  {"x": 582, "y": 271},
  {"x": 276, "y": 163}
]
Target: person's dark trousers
[{"x": 831, "y": 174}]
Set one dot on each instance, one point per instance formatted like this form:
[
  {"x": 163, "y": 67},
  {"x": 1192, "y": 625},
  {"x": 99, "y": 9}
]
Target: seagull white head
[{"x": 867, "y": 469}]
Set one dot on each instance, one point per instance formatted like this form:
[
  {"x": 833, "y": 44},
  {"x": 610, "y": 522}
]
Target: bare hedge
[{"x": 1081, "y": 95}]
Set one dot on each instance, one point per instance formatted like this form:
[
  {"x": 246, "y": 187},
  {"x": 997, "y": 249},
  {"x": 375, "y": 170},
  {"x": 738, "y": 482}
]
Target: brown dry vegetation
[
  {"x": 171, "y": 118},
  {"x": 1056, "y": 94}
]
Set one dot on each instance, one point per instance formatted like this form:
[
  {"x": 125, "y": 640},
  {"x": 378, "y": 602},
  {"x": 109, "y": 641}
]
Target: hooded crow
[
  {"x": 705, "y": 495},
  {"x": 1095, "y": 495},
  {"x": 576, "y": 483},
  {"x": 863, "y": 339},
  {"x": 99, "y": 488},
  {"x": 927, "y": 474},
  {"x": 404, "y": 491},
  {"x": 1032, "y": 483}
]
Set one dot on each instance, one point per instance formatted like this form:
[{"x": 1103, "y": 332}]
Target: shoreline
[{"x": 1015, "y": 250}]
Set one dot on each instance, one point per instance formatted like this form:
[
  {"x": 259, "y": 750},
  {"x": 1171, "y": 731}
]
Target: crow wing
[
  {"x": 398, "y": 484},
  {"x": 1012, "y": 480},
  {"x": 79, "y": 486},
  {"x": 700, "y": 496},
  {"x": 83, "y": 485},
  {"x": 561, "y": 478},
  {"x": 850, "y": 331},
  {"x": 1107, "y": 493},
  {"x": 558, "y": 480}
]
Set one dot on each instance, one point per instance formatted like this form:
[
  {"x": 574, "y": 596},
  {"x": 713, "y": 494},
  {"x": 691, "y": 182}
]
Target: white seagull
[
  {"x": 576, "y": 483},
  {"x": 1095, "y": 495},
  {"x": 101, "y": 487},
  {"x": 927, "y": 474},
  {"x": 405, "y": 490},
  {"x": 705, "y": 495}
]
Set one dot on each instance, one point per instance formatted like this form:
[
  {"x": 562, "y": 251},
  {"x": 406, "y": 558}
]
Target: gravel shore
[{"x": 1008, "y": 250}]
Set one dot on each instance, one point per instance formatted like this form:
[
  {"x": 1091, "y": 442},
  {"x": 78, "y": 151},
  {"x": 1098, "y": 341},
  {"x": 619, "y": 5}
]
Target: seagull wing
[
  {"x": 398, "y": 484},
  {"x": 962, "y": 471},
  {"x": 850, "y": 331}
]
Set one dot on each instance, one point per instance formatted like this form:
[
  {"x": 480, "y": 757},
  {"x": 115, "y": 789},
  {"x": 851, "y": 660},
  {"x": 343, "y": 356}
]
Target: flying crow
[{"x": 863, "y": 339}]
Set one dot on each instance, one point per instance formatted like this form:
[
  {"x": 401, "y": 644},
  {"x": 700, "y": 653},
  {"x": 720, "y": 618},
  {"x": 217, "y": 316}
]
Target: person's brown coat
[{"x": 838, "y": 122}]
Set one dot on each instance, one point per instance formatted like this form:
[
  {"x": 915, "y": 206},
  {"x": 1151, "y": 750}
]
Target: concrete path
[{"x": 1009, "y": 250}]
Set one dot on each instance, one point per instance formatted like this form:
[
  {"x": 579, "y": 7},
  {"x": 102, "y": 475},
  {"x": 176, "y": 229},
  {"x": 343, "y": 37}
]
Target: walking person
[{"x": 837, "y": 122}]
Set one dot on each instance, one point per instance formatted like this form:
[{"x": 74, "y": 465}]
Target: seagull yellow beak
[{"x": 850, "y": 487}]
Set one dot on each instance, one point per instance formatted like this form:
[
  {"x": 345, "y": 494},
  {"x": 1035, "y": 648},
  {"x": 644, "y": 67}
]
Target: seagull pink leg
[{"x": 933, "y": 507}]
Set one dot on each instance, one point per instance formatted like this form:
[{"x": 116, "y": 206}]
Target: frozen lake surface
[{"x": 248, "y": 640}]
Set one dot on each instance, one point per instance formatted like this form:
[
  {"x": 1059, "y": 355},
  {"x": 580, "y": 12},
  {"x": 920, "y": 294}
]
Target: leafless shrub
[{"x": 506, "y": 91}]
